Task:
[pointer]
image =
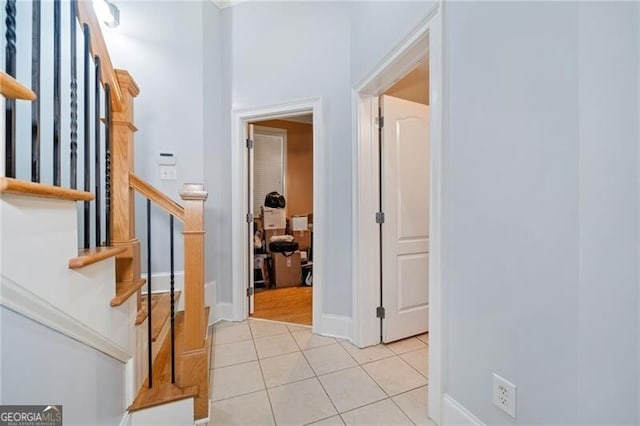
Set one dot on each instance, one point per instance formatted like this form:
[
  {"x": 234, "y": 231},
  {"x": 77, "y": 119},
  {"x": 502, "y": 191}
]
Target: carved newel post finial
[{"x": 193, "y": 191}]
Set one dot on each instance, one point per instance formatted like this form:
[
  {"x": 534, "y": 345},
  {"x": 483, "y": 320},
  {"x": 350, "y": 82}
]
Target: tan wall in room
[
  {"x": 414, "y": 86},
  {"x": 299, "y": 173}
]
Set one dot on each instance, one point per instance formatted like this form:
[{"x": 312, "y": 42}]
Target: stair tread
[
  {"x": 163, "y": 391},
  {"x": 160, "y": 311},
  {"x": 94, "y": 255},
  {"x": 125, "y": 289}
]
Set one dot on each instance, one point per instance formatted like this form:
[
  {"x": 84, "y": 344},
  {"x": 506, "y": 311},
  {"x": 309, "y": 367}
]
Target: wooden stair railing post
[
  {"x": 193, "y": 360},
  {"x": 123, "y": 221}
]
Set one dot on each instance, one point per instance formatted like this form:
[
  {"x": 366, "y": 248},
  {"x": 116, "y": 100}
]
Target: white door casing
[
  {"x": 426, "y": 39},
  {"x": 322, "y": 323},
  {"x": 405, "y": 232},
  {"x": 250, "y": 223}
]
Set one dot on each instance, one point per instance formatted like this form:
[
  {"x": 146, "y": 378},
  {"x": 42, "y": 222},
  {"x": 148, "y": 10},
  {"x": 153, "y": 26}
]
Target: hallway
[{"x": 268, "y": 373}]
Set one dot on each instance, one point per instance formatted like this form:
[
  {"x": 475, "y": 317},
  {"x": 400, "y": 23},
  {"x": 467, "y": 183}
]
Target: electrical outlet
[{"x": 504, "y": 395}]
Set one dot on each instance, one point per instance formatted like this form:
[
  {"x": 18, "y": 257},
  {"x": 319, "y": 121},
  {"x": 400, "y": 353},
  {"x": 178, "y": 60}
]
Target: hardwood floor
[{"x": 289, "y": 304}]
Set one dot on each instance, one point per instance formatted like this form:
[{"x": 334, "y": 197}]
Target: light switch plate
[{"x": 168, "y": 173}]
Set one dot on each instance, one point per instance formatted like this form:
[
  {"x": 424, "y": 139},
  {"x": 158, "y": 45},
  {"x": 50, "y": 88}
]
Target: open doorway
[
  {"x": 404, "y": 174},
  {"x": 423, "y": 44},
  {"x": 281, "y": 190}
]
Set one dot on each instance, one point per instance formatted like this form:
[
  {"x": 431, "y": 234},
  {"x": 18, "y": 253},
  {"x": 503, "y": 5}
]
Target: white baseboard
[
  {"x": 126, "y": 420},
  {"x": 334, "y": 326},
  {"x": 210, "y": 299},
  {"x": 161, "y": 281},
  {"x": 221, "y": 311},
  {"x": 178, "y": 413},
  {"x": 454, "y": 413}
]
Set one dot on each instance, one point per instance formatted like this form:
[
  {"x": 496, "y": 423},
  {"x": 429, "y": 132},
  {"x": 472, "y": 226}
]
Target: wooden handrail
[
  {"x": 86, "y": 15},
  {"x": 156, "y": 196},
  {"x": 22, "y": 187},
  {"x": 10, "y": 88}
]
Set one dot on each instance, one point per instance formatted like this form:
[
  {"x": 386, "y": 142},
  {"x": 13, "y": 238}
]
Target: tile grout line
[
  {"x": 315, "y": 375},
  {"x": 393, "y": 401},
  {"x": 415, "y": 369},
  {"x": 409, "y": 390},
  {"x": 385, "y": 392},
  {"x": 264, "y": 381}
]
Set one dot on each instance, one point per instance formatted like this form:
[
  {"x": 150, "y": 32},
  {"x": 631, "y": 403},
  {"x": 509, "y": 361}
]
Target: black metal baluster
[
  {"x": 96, "y": 123},
  {"x": 35, "y": 86},
  {"x": 150, "y": 341},
  {"x": 57, "y": 90},
  {"x": 73, "y": 164},
  {"x": 87, "y": 136},
  {"x": 107, "y": 163},
  {"x": 173, "y": 352},
  {"x": 10, "y": 104}
]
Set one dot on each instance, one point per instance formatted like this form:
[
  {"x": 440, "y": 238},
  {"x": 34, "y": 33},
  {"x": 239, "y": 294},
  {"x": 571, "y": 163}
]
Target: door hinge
[
  {"x": 380, "y": 122},
  {"x": 249, "y": 217},
  {"x": 249, "y": 143},
  {"x": 380, "y": 312},
  {"x": 249, "y": 291},
  {"x": 380, "y": 217}
]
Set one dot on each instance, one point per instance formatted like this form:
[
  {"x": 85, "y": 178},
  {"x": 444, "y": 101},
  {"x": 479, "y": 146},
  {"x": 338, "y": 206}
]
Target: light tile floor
[{"x": 269, "y": 373}]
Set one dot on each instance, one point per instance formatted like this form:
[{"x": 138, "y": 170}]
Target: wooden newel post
[
  {"x": 123, "y": 221},
  {"x": 193, "y": 360}
]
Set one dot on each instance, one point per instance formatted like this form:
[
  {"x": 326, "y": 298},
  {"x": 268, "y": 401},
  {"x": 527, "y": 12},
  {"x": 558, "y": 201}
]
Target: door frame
[
  {"x": 426, "y": 38},
  {"x": 239, "y": 186}
]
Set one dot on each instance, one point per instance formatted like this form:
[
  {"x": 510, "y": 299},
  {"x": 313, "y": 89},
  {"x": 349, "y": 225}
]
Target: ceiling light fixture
[{"x": 107, "y": 13}]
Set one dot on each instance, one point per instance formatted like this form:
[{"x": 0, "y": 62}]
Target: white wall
[
  {"x": 541, "y": 208},
  {"x": 42, "y": 366},
  {"x": 376, "y": 27},
  {"x": 283, "y": 51},
  {"x": 215, "y": 147},
  {"x": 161, "y": 45}
]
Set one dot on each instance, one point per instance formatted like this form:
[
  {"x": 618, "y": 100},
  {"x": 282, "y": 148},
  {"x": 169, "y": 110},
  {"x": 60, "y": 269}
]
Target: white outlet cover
[{"x": 504, "y": 395}]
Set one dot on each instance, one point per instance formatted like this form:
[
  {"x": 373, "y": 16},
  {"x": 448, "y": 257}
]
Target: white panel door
[
  {"x": 250, "y": 207},
  {"x": 405, "y": 232}
]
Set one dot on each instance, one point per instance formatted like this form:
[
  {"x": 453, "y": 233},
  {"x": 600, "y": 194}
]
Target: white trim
[
  {"x": 223, "y": 4},
  {"x": 239, "y": 200},
  {"x": 439, "y": 96},
  {"x": 161, "y": 281},
  {"x": 126, "y": 420},
  {"x": 335, "y": 326},
  {"x": 427, "y": 36},
  {"x": 176, "y": 413},
  {"x": 130, "y": 388},
  {"x": 220, "y": 312},
  {"x": 366, "y": 328},
  {"x": 17, "y": 298},
  {"x": 454, "y": 413}
]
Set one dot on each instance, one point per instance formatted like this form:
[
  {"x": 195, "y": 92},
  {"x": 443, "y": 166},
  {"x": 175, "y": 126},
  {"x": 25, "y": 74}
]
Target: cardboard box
[
  {"x": 269, "y": 233},
  {"x": 299, "y": 223},
  {"x": 273, "y": 218},
  {"x": 303, "y": 238},
  {"x": 286, "y": 269}
]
